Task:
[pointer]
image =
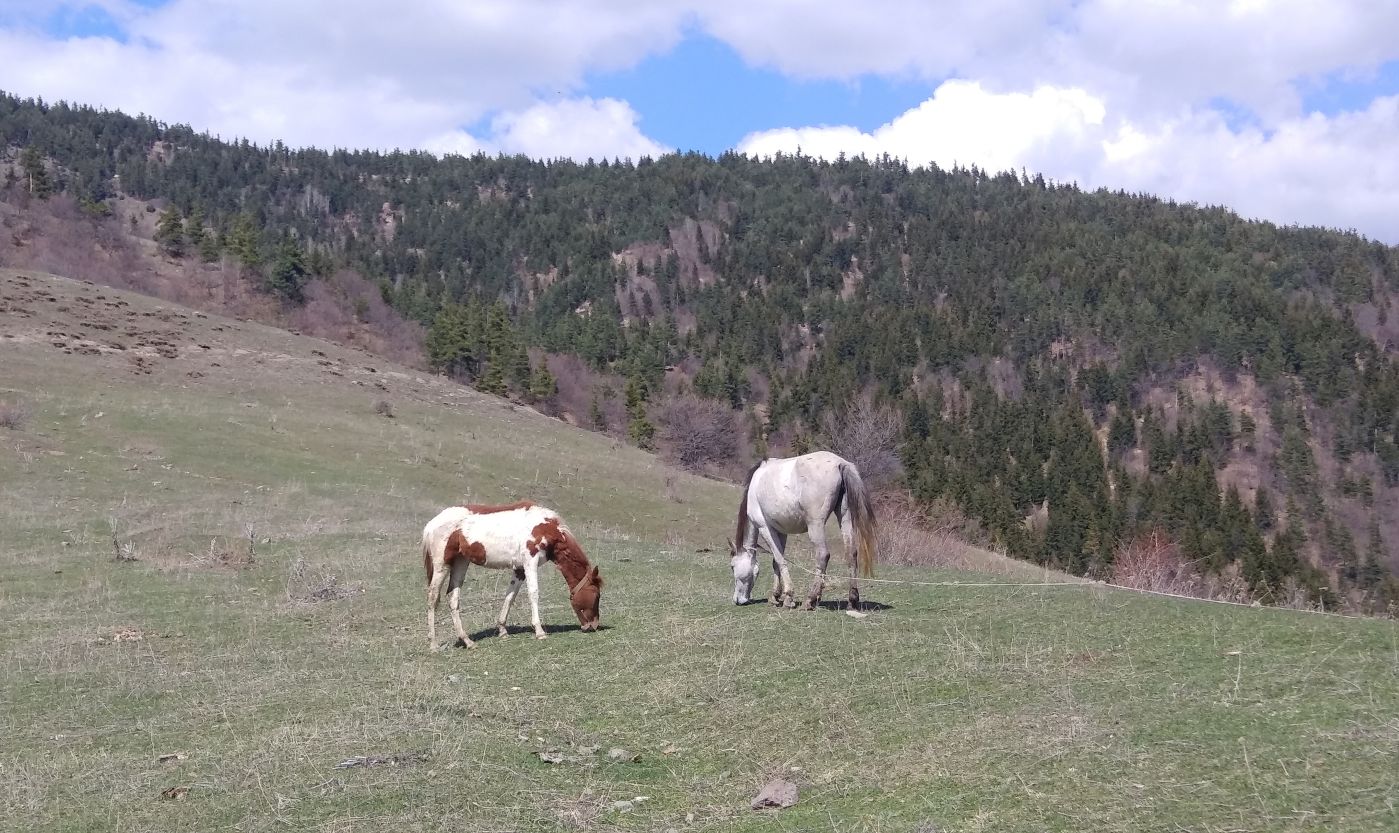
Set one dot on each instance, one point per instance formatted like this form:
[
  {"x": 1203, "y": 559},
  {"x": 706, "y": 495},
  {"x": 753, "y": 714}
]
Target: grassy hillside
[{"x": 191, "y": 438}]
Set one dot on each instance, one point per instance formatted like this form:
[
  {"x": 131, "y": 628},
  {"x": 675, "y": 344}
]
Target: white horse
[
  {"x": 520, "y": 537},
  {"x": 786, "y": 496}
]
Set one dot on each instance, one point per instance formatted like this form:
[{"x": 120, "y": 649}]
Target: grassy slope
[{"x": 1004, "y": 708}]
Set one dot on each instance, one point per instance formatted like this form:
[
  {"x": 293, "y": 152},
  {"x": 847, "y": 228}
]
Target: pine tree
[
  {"x": 195, "y": 232},
  {"x": 1263, "y": 511},
  {"x": 1122, "y": 435},
  {"x": 243, "y": 242},
  {"x": 1372, "y": 571},
  {"x": 542, "y": 385},
  {"x": 452, "y": 341},
  {"x": 639, "y": 426},
  {"x": 36, "y": 174},
  {"x": 288, "y": 275},
  {"x": 170, "y": 233}
]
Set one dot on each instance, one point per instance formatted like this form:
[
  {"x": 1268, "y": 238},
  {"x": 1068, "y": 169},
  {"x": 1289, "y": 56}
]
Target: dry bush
[
  {"x": 384, "y": 408},
  {"x": 348, "y": 309},
  {"x": 13, "y": 415},
  {"x": 578, "y": 384},
  {"x": 697, "y": 433},
  {"x": 867, "y": 435},
  {"x": 311, "y": 583},
  {"x": 1153, "y": 561},
  {"x": 938, "y": 534}
]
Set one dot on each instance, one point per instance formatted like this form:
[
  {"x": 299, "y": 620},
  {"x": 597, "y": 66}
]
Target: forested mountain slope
[{"x": 1071, "y": 368}]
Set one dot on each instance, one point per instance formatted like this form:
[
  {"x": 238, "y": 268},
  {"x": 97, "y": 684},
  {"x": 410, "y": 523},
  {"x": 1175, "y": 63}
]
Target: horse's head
[
  {"x": 744, "y": 563},
  {"x": 585, "y": 598}
]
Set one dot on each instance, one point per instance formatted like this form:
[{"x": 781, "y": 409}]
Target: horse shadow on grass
[
  {"x": 832, "y": 604},
  {"x": 526, "y": 630},
  {"x": 866, "y": 606}
]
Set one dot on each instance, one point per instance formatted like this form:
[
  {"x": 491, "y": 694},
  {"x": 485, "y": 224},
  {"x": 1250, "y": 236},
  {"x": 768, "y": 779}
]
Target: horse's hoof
[
  {"x": 469, "y": 645},
  {"x": 808, "y": 605},
  {"x": 789, "y": 602},
  {"x": 503, "y": 633},
  {"x": 541, "y": 636}
]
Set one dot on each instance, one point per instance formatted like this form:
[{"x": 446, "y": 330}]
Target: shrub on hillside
[
  {"x": 696, "y": 433},
  {"x": 13, "y": 416},
  {"x": 867, "y": 435},
  {"x": 1154, "y": 561},
  {"x": 936, "y": 534}
]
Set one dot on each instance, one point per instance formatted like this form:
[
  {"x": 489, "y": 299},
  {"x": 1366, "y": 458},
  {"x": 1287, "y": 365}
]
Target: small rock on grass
[
  {"x": 619, "y": 754},
  {"x": 777, "y": 793}
]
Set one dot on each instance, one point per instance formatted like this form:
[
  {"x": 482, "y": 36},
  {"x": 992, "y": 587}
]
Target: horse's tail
[
  {"x": 429, "y": 534},
  {"x": 741, "y": 532},
  {"x": 857, "y": 503}
]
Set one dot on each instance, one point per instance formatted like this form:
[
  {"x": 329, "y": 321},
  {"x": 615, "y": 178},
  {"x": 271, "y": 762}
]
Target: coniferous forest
[{"x": 1072, "y": 369}]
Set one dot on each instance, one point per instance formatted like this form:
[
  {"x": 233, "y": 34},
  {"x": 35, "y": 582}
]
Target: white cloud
[
  {"x": 579, "y": 129},
  {"x": 1120, "y": 93},
  {"x": 961, "y": 124},
  {"x": 336, "y": 72},
  {"x": 1146, "y": 56},
  {"x": 1338, "y": 171}
]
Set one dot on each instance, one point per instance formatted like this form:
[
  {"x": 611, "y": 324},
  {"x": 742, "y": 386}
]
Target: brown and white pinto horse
[{"x": 519, "y": 537}]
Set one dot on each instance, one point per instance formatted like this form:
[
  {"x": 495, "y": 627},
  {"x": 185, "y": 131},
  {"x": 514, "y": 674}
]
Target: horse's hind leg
[
  {"x": 847, "y": 532},
  {"x": 816, "y": 531},
  {"x": 510, "y": 594},
  {"x": 434, "y": 596},
  {"x": 454, "y": 600}
]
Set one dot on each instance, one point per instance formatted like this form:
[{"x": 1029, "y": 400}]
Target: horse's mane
[
  {"x": 564, "y": 550},
  {"x": 742, "y": 529},
  {"x": 491, "y": 509}
]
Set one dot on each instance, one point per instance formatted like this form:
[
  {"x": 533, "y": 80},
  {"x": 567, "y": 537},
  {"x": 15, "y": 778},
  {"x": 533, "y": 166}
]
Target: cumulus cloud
[
  {"x": 1146, "y": 56},
  {"x": 961, "y": 124},
  {"x": 1119, "y": 93},
  {"x": 1337, "y": 171},
  {"x": 336, "y": 72},
  {"x": 579, "y": 129}
]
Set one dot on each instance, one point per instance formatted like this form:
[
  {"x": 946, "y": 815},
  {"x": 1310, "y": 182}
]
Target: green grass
[{"x": 973, "y": 708}]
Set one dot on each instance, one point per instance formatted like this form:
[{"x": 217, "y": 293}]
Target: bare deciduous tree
[
  {"x": 867, "y": 435},
  {"x": 699, "y": 432}
]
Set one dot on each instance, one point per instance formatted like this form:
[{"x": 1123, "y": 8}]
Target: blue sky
[
  {"x": 702, "y": 96},
  {"x": 1282, "y": 109}
]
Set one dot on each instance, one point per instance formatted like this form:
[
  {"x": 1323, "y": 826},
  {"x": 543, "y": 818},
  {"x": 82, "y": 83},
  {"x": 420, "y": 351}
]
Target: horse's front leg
[
  {"x": 816, "y": 531},
  {"x": 454, "y": 600},
  {"x": 532, "y": 587},
  {"x": 781, "y": 578}
]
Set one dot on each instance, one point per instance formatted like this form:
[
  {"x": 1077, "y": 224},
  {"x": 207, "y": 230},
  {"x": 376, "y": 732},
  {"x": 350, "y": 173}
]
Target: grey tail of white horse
[
  {"x": 857, "y": 503},
  {"x": 741, "y": 533},
  {"x": 427, "y": 557}
]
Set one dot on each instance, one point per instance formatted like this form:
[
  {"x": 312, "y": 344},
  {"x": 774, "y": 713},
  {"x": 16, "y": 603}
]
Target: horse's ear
[{"x": 596, "y": 577}]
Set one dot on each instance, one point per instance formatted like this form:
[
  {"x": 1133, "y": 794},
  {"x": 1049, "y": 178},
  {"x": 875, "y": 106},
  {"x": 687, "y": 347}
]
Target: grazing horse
[
  {"x": 519, "y": 537},
  {"x": 797, "y": 494}
]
